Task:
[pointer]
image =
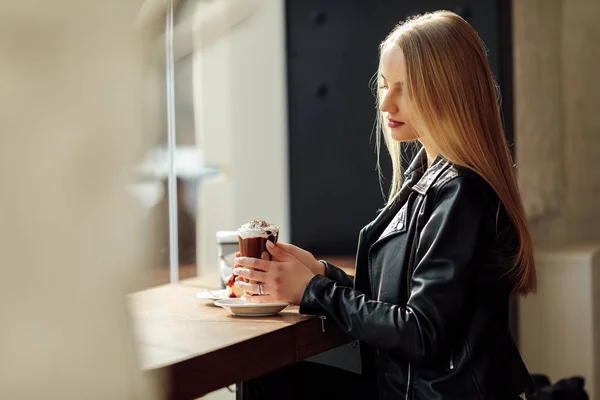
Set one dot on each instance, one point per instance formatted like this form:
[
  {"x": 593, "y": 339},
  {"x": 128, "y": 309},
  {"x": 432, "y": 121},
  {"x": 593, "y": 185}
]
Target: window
[{"x": 231, "y": 153}]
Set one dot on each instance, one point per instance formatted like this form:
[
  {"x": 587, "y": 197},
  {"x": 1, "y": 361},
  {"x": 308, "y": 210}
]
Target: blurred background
[{"x": 274, "y": 118}]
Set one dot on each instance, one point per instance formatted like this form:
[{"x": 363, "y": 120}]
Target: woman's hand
[
  {"x": 305, "y": 257},
  {"x": 284, "y": 279}
]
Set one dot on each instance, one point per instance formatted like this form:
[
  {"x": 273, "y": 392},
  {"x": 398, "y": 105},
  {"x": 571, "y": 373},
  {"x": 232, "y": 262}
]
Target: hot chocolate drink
[{"x": 253, "y": 237}]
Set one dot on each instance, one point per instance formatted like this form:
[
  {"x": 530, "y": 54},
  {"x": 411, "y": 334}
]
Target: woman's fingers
[
  {"x": 287, "y": 247},
  {"x": 254, "y": 263},
  {"x": 251, "y": 288},
  {"x": 251, "y": 274},
  {"x": 260, "y": 299},
  {"x": 252, "y": 291},
  {"x": 295, "y": 251},
  {"x": 278, "y": 253}
]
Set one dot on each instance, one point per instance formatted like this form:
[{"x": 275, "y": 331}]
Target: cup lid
[{"x": 227, "y": 237}]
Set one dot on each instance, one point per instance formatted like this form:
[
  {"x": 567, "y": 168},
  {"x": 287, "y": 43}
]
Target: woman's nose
[{"x": 387, "y": 104}]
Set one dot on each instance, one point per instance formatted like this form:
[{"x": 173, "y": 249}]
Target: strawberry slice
[{"x": 231, "y": 280}]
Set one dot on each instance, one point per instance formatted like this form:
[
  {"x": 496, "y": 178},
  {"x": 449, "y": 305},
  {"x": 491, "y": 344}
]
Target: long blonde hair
[{"x": 451, "y": 87}]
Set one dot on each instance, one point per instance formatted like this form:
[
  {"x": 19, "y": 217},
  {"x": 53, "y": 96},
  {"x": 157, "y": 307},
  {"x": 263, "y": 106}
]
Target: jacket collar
[
  {"x": 417, "y": 178},
  {"x": 418, "y": 164},
  {"x": 426, "y": 175},
  {"x": 413, "y": 174},
  {"x": 430, "y": 176}
]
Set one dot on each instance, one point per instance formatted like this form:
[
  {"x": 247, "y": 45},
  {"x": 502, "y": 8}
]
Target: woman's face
[{"x": 395, "y": 104}]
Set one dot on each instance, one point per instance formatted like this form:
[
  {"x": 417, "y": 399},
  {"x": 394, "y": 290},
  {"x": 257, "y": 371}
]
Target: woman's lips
[{"x": 394, "y": 124}]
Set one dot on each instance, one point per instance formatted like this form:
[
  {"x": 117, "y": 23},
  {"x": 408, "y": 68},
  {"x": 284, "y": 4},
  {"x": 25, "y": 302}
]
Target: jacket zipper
[
  {"x": 407, "y": 397},
  {"x": 411, "y": 260}
]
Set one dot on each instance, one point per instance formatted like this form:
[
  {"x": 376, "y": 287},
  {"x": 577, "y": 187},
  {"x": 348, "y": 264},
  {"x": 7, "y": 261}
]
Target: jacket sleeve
[
  {"x": 338, "y": 275},
  {"x": 442, "y": 276}
]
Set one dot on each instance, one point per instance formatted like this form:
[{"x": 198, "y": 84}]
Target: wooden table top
[
  {"x": 196, "y": 344},
  {"x": 173, "y": 311}
]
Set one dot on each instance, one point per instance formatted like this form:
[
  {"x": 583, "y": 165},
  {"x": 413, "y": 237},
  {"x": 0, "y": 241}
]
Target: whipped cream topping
[{"x": 258, "y": 228}]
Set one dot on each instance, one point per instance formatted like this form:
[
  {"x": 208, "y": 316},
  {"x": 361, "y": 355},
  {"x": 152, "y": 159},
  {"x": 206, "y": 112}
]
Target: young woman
[{"x": 435, "y": 269}]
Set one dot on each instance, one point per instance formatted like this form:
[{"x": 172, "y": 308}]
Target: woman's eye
[{"x": 383, "y": 87}]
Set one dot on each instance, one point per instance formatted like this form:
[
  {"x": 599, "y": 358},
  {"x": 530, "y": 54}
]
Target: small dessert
[{"x": 232, "y": 291}]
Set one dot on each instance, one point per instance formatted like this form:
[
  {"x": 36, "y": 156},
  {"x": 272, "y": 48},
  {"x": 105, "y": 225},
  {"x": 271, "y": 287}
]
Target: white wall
[
  {"x": 557, "y": 130},
  {"x": 241, "y": 122},
  {"x": 557, "y": 126}
]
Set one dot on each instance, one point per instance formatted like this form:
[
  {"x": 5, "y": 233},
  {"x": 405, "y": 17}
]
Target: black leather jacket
[{"x": 431, "y": 315}]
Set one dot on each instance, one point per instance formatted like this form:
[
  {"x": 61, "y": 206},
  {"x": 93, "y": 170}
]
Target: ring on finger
[{"x": 260, "y": 288}]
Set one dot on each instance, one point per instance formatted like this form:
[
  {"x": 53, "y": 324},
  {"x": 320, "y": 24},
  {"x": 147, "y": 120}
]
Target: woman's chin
[
  {"x": 399, "y": 137},
  {"x": 403, "y": 133}
]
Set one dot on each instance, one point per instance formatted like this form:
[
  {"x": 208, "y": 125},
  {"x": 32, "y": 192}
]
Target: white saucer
[
  {"x": 212, "y": 294},
  {"x": 243, "y": 309}
]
